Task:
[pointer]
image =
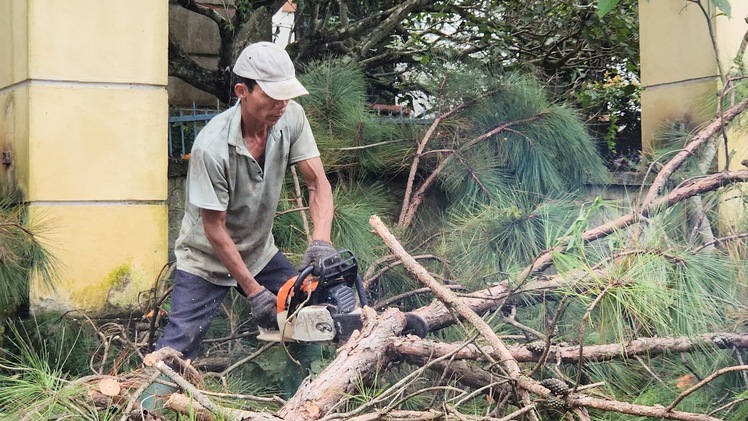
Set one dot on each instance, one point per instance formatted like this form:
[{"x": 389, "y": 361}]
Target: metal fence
[{"x": 184, "y": 125}]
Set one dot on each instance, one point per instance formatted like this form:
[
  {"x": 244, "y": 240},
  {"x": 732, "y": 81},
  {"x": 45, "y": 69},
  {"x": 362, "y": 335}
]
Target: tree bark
[
  {"x": 181, "y": 65},
  {"x": 430, "y": 415},
  {"x": 633, "y": 409}
]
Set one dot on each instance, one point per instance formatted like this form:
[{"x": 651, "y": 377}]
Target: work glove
[
  {"x": 318, "y": 249},
  {"x": 264, "y": 309}
]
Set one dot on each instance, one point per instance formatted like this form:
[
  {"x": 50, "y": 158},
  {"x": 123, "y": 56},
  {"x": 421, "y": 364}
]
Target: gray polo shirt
[{"x": 223, "y": 176}]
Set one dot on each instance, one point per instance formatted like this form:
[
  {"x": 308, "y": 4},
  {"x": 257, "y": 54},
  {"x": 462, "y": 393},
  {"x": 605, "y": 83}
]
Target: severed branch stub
[
  {"x": 183, "y": 404},
  {"x": 174, "y": 357},
  {"x": 156, "y": 359},
  {"x": 198, "y": 403}
]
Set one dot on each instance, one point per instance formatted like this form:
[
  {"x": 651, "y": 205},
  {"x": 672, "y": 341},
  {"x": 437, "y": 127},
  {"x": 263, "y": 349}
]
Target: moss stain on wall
[{"x": 117, "y": 291}]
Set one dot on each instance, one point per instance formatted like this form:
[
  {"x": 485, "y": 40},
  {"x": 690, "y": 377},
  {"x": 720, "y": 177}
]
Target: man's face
[{"x": 260, "y": 107}]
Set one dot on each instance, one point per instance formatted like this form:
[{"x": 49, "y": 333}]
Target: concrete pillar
[
  {"x": 681, "y": 77},
  {"x": 83, "y": 129}
]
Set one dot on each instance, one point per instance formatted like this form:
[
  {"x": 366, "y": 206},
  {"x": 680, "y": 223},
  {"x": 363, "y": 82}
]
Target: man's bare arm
[{"x": 321, "y": 205}]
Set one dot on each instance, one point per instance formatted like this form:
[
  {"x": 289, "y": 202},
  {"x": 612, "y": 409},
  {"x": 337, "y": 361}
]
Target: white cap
[{"x": 271, "y": 67}]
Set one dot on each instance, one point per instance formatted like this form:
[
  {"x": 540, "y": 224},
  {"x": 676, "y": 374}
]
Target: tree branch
[
  {"x": 681, "y": 193},
  {"x": 188, "y": 406},
  {"x": 704, "y": 382},
  {"x": 418, "y": 349},
  {"x": 181, "y": 65},
  {"x": 208, "y": 12},
  {"x": 388, "y": 25},
  {"x": 437, "y": 316},
  {"x": 453, "y": 302},
  {"x": 411, "y": 204},
  {"x": 633, "y": 409},
  {"x": 505, "y": 357},
  {"x": 702, "y": 137}
]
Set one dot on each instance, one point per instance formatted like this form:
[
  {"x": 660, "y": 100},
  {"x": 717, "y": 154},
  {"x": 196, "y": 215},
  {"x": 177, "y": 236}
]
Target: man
[{"x": 237, "y": 166}]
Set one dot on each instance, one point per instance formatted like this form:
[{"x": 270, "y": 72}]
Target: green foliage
[
  {"x": 652, "y": 292},
  {"x": 515, "y": 156},
  {"x": 568, "y": 44},
  {"x": 32, "y": 381},
  {"x": 346, "y": 132},
  {"x": 612, "y": 101},
  {"x": 503, "y": 237},
  {"x": 23, "y": 256},
  {"x": 76, "y": 340},
  {"x": 670, "y": 141},
  {"x": 740, "y": 411},
  {"x": 537, "y": 146},
  {"x": 605, "y": 6},
  {"x": 658, "y": 381},
  {"x": 355, "y": 202},
  {"x": 724, "y": 6}
]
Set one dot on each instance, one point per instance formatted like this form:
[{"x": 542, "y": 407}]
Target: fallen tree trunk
[
  {"x": 369, "y": 351},
  {"x": 379, "y": 342}
]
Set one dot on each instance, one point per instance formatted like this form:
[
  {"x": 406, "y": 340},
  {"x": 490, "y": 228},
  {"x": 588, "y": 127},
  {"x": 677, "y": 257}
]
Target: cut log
[
  {"x": 362, "y": 356},
  {"x": 109, "y": 386}
]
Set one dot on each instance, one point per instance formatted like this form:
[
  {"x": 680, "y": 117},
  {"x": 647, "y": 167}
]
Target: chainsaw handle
[
  {"x": 302, "y": 276},
  {"x": 297, "y": 286}
]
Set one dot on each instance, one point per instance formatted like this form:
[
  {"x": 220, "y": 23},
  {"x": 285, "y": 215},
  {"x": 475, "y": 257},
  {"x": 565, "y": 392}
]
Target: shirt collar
[{"x": 235, "y": 128}]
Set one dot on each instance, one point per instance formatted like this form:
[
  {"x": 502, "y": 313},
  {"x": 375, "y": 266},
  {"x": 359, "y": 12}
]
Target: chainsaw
[{"x": 319, "y": 304}]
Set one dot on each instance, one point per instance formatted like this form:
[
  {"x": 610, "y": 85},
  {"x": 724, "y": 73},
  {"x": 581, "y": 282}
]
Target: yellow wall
[
  {"x": 681, "y": 76},
  {"x": 730, "y": 33},
  {"x": 679, "y": 70},
  {"x": 85, "y": 109},
  {"x": 14, "y": 34},
  {"x": 678, "y": 67}
]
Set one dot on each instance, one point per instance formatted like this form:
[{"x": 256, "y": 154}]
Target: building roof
[{"x": 289, "y": 7}]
